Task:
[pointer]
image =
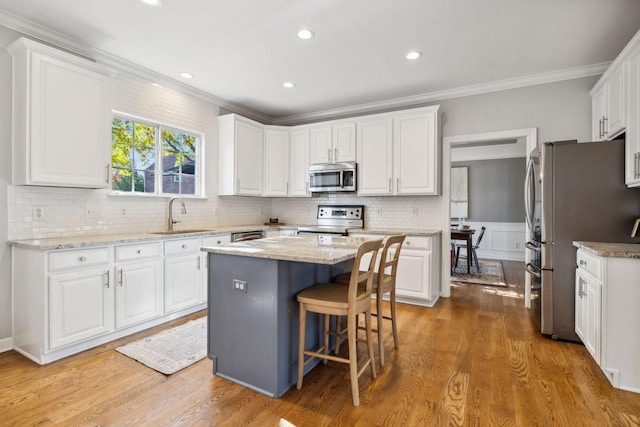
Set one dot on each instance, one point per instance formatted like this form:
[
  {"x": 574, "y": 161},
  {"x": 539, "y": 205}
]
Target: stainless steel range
[{"x": 336, "y": 219}]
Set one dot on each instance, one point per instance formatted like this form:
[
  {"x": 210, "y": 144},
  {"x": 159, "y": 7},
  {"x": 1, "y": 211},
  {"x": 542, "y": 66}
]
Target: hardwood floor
[{"x": 473, "y": 360}]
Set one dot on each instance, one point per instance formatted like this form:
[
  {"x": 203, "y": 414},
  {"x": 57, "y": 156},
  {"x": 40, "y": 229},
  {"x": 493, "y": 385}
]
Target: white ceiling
[{"x": 241, "y": 51}]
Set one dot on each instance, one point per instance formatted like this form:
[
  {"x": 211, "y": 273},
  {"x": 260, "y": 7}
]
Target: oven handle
[{"x": 533, "y": 270}]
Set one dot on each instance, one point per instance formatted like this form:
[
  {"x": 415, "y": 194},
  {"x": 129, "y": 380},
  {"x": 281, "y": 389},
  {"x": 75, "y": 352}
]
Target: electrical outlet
[
  {"x": 123, "y": 212},
  {"x": 90, "y": 211},
  {"x": 415, "y": 211},
  {"x": 239, "y": 285},
  {"x": 38, "y": 213}
]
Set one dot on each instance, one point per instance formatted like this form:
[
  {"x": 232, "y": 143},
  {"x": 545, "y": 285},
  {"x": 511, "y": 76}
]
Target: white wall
[{"x": 559, "y": 111}]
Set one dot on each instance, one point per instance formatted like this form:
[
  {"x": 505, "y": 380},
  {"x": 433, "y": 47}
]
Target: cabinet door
[
  {"x": 414, "y": 274},
  {"x": 588, "y": 312},
  {"x": 80, "y": 306},
  {"x": 299, "y": 163},
  {"x": 276, "y": 162},
  {"x": 183, "y": 282},
  {"x": 70, "y": 125},
  {"x": 632, "y": 136},
  {"x": 616, "y": 99},
  {"x": 416, "y": 154},
  {"x": 344, "y": 142},
  {"x": 375, "y": 162},
  {"x": 248, "y": 159},
  {"x": 598, "y": 112},
  {"x": 139, "y": 292},
  {"x": 320, "y": 144}
]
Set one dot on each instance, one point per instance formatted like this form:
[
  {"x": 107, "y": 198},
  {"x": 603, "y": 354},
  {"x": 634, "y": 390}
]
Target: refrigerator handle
[
  {"x": 531, "y": 269},
  {"x": 528, "y": 190}
]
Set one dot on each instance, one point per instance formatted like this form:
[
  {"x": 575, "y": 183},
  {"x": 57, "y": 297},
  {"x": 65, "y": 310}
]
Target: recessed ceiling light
[
  {"x": 305, "y": 34},
  {"x": 413, "y": 55},
  {"x": 186, "y": 75},
  {"x": 152, "y": 2},
  {"x": 288, "y": 85},
  {"x": 155, "y": 84}
]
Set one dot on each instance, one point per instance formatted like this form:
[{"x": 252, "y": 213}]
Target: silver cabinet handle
[
  {"x": 605, "y": 131},
  {"x": 121, "y": 275},
  {"x": 335, "y": 154},
  {"x": 581, "y": 291},
  {"x": 107, "y": 277},
  {"x": 108, "y": 172},
  {"x": 397, "y": 184},
  {"x": 328, "y": 154},
  {"x": 184, "y": 246},
  {"x": 390, "y": 190},
  {"x": 600, "y": 128},
  {"x": 583, "y": 262},
  {"x": 198, "y": 262},
  {"x": 82, "y": 258}
]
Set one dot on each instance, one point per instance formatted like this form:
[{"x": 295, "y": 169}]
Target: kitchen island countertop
[
  {"x": 612, "y": 250},
  {"x": 311, "y": 248}
]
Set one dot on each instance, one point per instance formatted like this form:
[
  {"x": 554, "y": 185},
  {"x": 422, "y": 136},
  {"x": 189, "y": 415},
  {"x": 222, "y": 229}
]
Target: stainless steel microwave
[{"x": 332, "y": 177}]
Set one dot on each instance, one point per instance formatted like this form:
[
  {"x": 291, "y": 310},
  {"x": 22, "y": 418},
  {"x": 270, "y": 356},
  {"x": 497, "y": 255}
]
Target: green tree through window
[{"x": 137, "y": 167}]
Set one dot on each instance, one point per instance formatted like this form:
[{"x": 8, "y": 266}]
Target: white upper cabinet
[
  {"x": 240, "y": 156},
  {"x": 632, "y": 136},
  {"x": 416, "y": 153},
  {"x": 608, "y": 105},
  {"x": 276, "y": 161},
  {"x": 61, "y": 118},
  {"x": 398, "y": 153},
  {"x": 333, "y": 142},
  {"x": 299, "y": 163}
]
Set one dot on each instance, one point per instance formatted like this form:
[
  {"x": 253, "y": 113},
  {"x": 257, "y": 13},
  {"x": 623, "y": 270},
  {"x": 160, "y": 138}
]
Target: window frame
[{"x": 159, "y": 126}]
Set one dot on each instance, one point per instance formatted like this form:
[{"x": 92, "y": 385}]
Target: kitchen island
[{"x": 253, "y": 312}]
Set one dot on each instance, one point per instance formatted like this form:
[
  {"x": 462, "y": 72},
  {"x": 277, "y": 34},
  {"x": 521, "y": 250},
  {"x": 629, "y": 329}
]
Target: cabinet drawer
[
  {"x": 182, "y": 246},
  {"x": 415, "y": 242},
  {"x": 138, "y": 251},
  {"x": 590, "y": 263},
  {"x": 66, "y": 260},
  {"x": 222, "y": 239}
]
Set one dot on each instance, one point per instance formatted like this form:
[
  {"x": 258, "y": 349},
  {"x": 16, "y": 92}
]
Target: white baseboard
[{"x": 6, "y": 344}]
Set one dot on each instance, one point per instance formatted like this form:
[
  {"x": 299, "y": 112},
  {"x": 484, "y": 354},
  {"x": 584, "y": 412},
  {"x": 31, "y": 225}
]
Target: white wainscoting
[
  {"x": 502, "y": 240},
  {"x": 6, "y": 344}
]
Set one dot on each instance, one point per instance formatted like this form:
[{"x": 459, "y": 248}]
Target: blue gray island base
[{"x": 253, "y": 332}]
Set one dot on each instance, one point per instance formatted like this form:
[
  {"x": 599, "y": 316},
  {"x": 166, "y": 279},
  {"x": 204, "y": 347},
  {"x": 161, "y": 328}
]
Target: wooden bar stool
[
  {"x": 384, "y": 282},
  {"x": 334, "y": 299}
]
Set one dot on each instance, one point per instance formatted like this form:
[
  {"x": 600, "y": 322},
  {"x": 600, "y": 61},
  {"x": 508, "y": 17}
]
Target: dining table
[{"x": 464, "y": 234}]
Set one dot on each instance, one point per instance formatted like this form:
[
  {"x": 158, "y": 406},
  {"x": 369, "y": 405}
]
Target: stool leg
[
  {"x": 367, "y": 322},
  {"x": 326, "y": 337},
  {"x": 303, "y": 326},
  {"x": 380, "y": 318},
  {"x": 353, "y": 359},
  {"x": 392, "y": 301},
  {"x": 338, "y": 330}
]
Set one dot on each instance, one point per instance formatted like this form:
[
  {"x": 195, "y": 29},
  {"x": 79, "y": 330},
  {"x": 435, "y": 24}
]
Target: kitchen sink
[{"x": 168, "y": 233}]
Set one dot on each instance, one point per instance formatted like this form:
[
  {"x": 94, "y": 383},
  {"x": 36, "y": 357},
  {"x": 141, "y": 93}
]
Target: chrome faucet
[{"x": 184, "y": 211}]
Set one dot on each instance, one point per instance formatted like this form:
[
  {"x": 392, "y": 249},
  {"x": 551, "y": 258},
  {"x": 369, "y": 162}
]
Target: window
[{"x": 151, "y": 158}]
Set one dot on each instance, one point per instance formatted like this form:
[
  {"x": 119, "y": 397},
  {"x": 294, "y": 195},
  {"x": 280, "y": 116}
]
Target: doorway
[{"x": 529, "y": 136}]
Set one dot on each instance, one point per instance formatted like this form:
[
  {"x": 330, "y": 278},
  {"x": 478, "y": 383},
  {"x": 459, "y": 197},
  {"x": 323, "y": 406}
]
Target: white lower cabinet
[
  {"x": 139, "y": 287},
  {"x": 81, "y": 305},
  {"x": 607, "y": 315},
  {"x": 183, "y": 273},
  {"x": 418, "y": 276}
]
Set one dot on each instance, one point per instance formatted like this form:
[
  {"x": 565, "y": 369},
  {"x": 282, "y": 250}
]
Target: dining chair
[
  {"x": 474, "y": 256},
  {"x": 384, "y": 282},
  {"x": 334, "y": 299}
]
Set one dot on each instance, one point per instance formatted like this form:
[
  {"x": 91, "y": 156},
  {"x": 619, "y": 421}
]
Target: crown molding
[
  {"x": 61, "y": 41},
  {"x": 425, "y": 98},
  {"x": 57, "y": 39}
]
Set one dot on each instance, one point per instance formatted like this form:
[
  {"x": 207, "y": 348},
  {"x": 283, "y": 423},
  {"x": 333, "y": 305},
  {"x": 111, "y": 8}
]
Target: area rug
[
  {"x": 491, "y": 273},
  {"x": 171, "y": 350}
]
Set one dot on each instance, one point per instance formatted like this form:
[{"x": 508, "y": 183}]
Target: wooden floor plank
[{"x": 474, "y": 359}]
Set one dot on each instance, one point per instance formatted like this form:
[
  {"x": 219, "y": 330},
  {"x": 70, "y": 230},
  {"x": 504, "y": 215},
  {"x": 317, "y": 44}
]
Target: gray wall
[{"x": 496, "y": 189}]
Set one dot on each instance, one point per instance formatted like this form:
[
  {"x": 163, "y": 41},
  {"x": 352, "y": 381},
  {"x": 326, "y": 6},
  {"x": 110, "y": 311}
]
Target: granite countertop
[
  {"x": 101, "y": 239},
  {"x": 311, "y": 248},
  {"x": 612, "y": 250}
]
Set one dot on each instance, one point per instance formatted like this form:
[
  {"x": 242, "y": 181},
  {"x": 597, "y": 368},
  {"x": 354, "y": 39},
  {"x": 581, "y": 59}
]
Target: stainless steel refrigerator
[{"x": 572, "y": 192}]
